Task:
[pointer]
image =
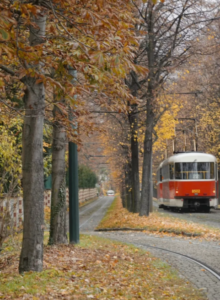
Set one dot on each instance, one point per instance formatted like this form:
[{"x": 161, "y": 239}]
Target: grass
[
  {"x": 95, "y": 269},
  {"x": 118, "y": 218}
]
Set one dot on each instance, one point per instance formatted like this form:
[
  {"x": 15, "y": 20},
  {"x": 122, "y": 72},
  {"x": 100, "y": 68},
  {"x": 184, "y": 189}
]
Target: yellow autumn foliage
[{"x": 10, "y": 154}]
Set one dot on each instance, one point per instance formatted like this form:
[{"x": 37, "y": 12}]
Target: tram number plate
[{"x": 195, "y": 191}]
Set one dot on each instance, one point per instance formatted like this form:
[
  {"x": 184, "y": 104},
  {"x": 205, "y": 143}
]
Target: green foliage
[
  {"x": 10, "y": 156},
  {"x": 10, "y": 171},
  {"x": 87, "y": 178},
  {"x": 47, "y": 135}
]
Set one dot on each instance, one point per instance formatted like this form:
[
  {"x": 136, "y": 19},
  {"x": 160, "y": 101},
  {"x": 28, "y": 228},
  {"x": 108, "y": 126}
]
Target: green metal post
[
  {"x": 73, "y": 195},
  {"x": 73, "y": 181}
]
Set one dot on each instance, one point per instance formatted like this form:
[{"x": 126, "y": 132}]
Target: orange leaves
[
  {"x": 98, "y": 59},
  {"x": 119, "y": 217},
  {"x": 99, "y": 3},
  {"x": 95, "y": 269},
  {"x": 155, "y": 1},
  {"x": 98, "y": 42},
  {"x": 29, "y": 9},
  {"x": 52, "y": 29}
]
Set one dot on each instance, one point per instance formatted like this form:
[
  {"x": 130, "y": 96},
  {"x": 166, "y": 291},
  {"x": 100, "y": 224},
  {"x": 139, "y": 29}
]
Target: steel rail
[{"x": 198, "y": 262}]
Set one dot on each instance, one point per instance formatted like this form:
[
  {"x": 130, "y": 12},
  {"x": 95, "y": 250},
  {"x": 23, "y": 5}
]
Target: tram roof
[{"x": 189, "y": 157}]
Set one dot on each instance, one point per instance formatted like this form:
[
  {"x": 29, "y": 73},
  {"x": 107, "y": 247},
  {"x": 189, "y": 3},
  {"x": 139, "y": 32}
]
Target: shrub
[{"x": 87, "y": 178}]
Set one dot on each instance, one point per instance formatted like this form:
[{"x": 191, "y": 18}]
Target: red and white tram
[{"x": 188, "y": 180}]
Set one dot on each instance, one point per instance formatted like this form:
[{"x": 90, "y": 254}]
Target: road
[
  {"x": 211, "y": 219},
  {"x": 91, "y": 214},
  {"x": 172, "y": 250}
]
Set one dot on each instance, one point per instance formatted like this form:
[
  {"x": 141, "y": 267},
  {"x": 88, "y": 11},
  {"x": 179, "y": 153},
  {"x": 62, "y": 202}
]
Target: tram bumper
[
  {"x": 200, "y": 203},
  {"x": 213, "y": 202},
  {"x": 176, "y": 202}
]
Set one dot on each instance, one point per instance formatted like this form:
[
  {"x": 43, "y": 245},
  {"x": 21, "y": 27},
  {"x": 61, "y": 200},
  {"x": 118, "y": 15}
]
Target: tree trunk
[
  {"x": 58, "y": 229},
  {"x": 147, "y": 162},
  {"x": 151, "y": 187},
  {"x": 146, "y": 195},
  {"x": 133, "y": 85},
  {"x": 31, "y": 257},
  {"x": 122, "y": 191},
  {"x": 133, "y": 119},
  {"x": 128, "y": 185}
]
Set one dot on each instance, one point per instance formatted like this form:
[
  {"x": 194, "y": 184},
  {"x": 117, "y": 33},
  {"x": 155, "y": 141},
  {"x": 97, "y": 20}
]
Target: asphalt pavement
[
  {"x": 211, "y": 219},
  {"x": 91, "y": 214}
]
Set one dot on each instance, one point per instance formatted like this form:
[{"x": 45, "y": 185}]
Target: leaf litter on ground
[
  {"x": 119, "y": 218},
  {"x": 95, "y": 269}
]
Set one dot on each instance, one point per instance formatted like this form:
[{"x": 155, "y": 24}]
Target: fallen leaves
[
  {"x": 96, "y": 269},
  {"x": 118, "y": 218}
]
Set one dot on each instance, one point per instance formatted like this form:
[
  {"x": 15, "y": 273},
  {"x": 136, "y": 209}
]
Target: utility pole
[
  {"x": 73, "y": 195},
  {"x": 73, "y": 184}
]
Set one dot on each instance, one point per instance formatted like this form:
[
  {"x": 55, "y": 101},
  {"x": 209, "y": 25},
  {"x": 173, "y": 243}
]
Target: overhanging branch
[{"x": 6, "y": 69}]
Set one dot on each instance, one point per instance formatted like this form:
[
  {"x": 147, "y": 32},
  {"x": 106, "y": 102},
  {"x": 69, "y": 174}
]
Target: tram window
[
  {"x": 161, "y": 177},
  {"x": 212, "y": 170},
  {"x": 178, "y": 171},
  {"x": 194, "y": 170},
  {"x": 165, "y": 172},
  {"x": 171, "y": 169}
]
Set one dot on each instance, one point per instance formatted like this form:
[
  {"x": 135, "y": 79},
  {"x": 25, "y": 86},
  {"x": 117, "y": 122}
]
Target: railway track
[
  {"x": 196, "y": 261},
  {"x": 95, "y": 208},
  {"x": 190, "y": 262}
]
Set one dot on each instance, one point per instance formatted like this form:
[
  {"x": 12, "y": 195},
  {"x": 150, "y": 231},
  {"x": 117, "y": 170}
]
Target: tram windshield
[{"x": 194, "y": 170}]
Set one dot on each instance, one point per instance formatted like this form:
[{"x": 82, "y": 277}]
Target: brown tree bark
[
  {"x": 133, "y": 120},
  {"x": 58, "y": 228},
  {"x": 128, "y": 186},
  {"x": 133, "y": 85},
  {"x": 31, "y": 257},
  {"x": 146, "y": 195}
]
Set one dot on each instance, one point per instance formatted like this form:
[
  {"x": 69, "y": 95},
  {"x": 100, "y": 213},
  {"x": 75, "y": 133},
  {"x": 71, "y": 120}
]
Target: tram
[{"x": 188, "y": 180}]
